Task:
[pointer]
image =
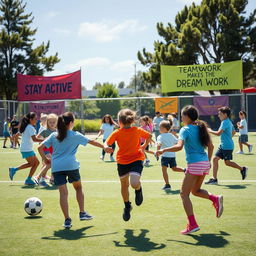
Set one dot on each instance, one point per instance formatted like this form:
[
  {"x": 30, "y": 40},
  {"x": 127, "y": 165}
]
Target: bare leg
[
  {"x": 64, "y": 200},
  {"x": 177, "y": 169},
  {"x": 125, "y": 188},
  {"x": 240, "y": 146},
  {"x": 233, "y": 165},
  {"x": 135, "y": 181},
  {"x": 165, "y": 175},
  {"x": 215, "y": 166},
  {"x": 35, "y": 162},
  {"x": 79, "y": 194},
  {"x": 197, "y": 191}
]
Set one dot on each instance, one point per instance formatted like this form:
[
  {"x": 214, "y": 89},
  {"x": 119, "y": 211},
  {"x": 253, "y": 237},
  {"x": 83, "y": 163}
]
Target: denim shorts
[
  {"x": 243, "y": 138},
  {"x": 62, "y": 177},
  {"x": 224, "y": 154},
  {"x": 168, "y": 161},
  {"x": 25, "y": 155},
  {"x": 131, "y": 168},
  {"x": 6, "y": 134}
]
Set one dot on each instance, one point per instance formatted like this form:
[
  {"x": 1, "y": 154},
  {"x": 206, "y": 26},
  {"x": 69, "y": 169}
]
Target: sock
[
  {"x": 213, "y": 198},
  {"x": 192, "y": 220},
  {"x": 127, "y": 204}
]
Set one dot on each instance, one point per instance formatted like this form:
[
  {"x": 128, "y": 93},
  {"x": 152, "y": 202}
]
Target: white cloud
[
  {"x": 123, "y": 66},
  {"x": 107, "y": 31},
  {"x": 52, "y": 14},
  {"x": 60, "y": 31}
]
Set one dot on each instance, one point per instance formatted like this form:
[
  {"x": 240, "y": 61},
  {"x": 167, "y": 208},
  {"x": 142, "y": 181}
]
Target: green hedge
[{"x": 89, "y": 125}]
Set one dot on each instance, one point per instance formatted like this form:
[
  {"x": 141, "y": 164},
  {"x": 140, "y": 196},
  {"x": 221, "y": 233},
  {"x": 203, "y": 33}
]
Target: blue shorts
[
  {"x": 243, "y": 138},
  {"x": 168, "y": 161},
  {"x": 60, "y": 178},
  {"x": 224, "y": 154},
  {"x": 25, "y": 155},
  {"x": 7, "y": 134}
]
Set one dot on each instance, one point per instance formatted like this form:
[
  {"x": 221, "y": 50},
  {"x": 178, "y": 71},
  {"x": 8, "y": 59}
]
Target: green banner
[{"x": 218, "y": 76}]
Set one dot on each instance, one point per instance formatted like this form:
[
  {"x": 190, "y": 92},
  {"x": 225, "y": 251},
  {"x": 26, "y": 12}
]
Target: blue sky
[{"x": 102, "y": 37}]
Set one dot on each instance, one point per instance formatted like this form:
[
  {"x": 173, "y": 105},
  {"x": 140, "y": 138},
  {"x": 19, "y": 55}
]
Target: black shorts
[
  {"x": 168, "y": 161},
  {"x": 134, "y": 167},
  {"x": 60, "y": 178},
  {"x": 224, "y": 154},
  {"x": 243, "y": 138}
]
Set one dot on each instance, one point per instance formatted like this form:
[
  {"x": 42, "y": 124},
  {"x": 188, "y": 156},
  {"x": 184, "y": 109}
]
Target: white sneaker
[
  {"x": 102, "y": 157},
  {"x": 250, "y": 148},
  {"x": 240, "y": 152},
  {"x": 146, "y": 164}
]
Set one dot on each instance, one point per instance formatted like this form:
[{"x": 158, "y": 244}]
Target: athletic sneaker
[
  {"x": 212, "y": 181},
  {"x": 67, "y": 223},
  {"x": 102, "y": 157},
  {"x": 85, "y": 216},
  {"x": 244, "y": 172},
  {"x": 4, "y": 147},
  {"x": 127, "y": 213},
  {"x": 190, "y": 229},
  {"x": 12, "y": 172},
  {"x": 138, "y": 196},
  {"x": 218, "y": 205},
  {"x": 167, "y": 187},
  {"x": 29, "y": 182},
  {"x": 35, "y": 178},
  {"x": 250, "y": 148},
  {"x": 112, "y": 159},
  {"x": 146, "y": 164},
  {"x": 240, "y": 152},
  {"x": 43, "y": 183}
]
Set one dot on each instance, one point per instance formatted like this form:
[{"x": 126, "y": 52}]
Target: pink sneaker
[
  {"x": 218, "y": 205},
  {"x": 190, "y": 229}
]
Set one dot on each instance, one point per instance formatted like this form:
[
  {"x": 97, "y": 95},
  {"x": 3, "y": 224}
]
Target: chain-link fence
[{"x": 97, "y": 108}]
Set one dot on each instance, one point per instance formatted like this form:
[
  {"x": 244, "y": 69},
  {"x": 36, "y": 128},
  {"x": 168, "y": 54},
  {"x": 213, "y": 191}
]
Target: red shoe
[
  {"x": 218, "y": 205},
  {"x": 190, "y": 229}
]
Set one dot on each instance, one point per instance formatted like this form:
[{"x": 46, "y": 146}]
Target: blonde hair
[
  {"x": 126, "y": 116},
  {"x": 51, "y": 116},
  {"x": 43, "y": 118}
]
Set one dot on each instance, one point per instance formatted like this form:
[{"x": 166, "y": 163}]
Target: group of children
[{"x": 132, "y": 143}]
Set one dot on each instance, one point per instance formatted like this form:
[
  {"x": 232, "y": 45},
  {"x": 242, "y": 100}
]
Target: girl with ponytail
[
  {"x": 195, "y": 138},
  {"x": 64, "y": 164},
  {"x": 28, "y": 133}
]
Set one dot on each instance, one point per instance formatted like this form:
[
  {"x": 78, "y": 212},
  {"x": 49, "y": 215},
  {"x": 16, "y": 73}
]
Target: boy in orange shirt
[{"x": 130, "y": 157}]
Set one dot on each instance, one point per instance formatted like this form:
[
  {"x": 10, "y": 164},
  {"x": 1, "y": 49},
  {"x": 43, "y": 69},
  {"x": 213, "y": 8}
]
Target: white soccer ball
[{"x": 33, "y": 206}]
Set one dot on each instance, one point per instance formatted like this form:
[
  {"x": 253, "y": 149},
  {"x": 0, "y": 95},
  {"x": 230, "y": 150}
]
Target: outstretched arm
[
  {"x": 99, "y": 145},
  {"x": 175, "y": 148}
]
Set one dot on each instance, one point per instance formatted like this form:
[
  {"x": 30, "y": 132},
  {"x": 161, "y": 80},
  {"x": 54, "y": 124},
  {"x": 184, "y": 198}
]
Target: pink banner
[
  {"x": 208, "y": 106},
  {"x": 57, "y": 108},
  {"x": 33, "y": 88}
]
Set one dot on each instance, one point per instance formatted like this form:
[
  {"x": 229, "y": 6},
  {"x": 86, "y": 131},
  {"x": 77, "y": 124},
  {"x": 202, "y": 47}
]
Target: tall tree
[
  {"x": 17, "y": 54},
  {"x": 213, "y": 32}
]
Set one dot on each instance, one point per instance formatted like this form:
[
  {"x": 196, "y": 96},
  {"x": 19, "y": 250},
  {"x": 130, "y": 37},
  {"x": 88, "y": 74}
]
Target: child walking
[
  {"x": 195, "y": 137},
  {"x": 243, "y": 130},
  {"x": 107, "y": 127},
  {"x": 167, "y": 140},
  {"x": 51, "y": 125},
  {"x": 129, "y": 157},
  {"x": 225, "y": 150},
  {"x": 28, "y": 133},
  {"x": 65, "y": 166}
]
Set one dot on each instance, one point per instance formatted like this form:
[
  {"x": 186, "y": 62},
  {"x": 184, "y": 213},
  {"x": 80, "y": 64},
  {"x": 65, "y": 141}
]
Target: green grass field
[{"x": 154, "y": 226}]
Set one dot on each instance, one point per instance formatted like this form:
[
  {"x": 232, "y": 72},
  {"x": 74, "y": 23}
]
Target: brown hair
[
  {"x": 192, "y": 113},
  {"x": 146, "y": 119},
  {"x": 62, "y": 125},
  {"x": 126, "y": 116},
  {"x": 25, "y": 121},
  {"x": 243, "y": 112},
  {"x": 111, "y": 121},
  {"x": 165, "y": 124},
  {"x": 225, "y": 110}
]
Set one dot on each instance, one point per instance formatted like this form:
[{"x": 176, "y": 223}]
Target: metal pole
[
  {"x": 82, "y": 116},
  {"x": 135, "y": 77}
]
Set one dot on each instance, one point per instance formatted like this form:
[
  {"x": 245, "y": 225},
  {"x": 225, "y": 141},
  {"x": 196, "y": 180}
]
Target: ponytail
[
  {"x": 62, "y": 125},
  {"x": 25, "y": 121}
]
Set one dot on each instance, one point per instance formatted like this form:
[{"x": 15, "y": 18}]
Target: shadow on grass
[
  {"x": 33, "y": 217},
  {"x": 171, "y": 192},
  {"x": 235, "y": 186},
  {"x": 208, "y": 240},
  {"x": 72, "y": 234},
  {"x": 49, "y": 188},
  {"x": 139, "y": 243},
  {"x": 25, "y": 186}
]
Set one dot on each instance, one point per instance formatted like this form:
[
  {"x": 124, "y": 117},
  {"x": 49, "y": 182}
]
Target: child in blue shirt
[
  {"x": 65, "y": 166},
  {"x": 195, "y": 137},
  {"x": 225, "y": 150},
  {"x": 166, "y": 140}
]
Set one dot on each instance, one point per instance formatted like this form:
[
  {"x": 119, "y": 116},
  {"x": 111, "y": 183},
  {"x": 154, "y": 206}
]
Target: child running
[
  {"x": 51, "y": 124},
  {"x": 6, "y": 132},
  {"x": 195, "y": 137},
  {"x": 167, "y": 140},
  {"x": 107, "y": 127},
  {"x": 28, "y": 133},
  {"x": 243, "y": 130},
  {"x": 65, "y": 166},
  {"x": 225, "y": 150},
  {"x": 43, "y": 122},
  {"x": 129, "y": 157}
]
